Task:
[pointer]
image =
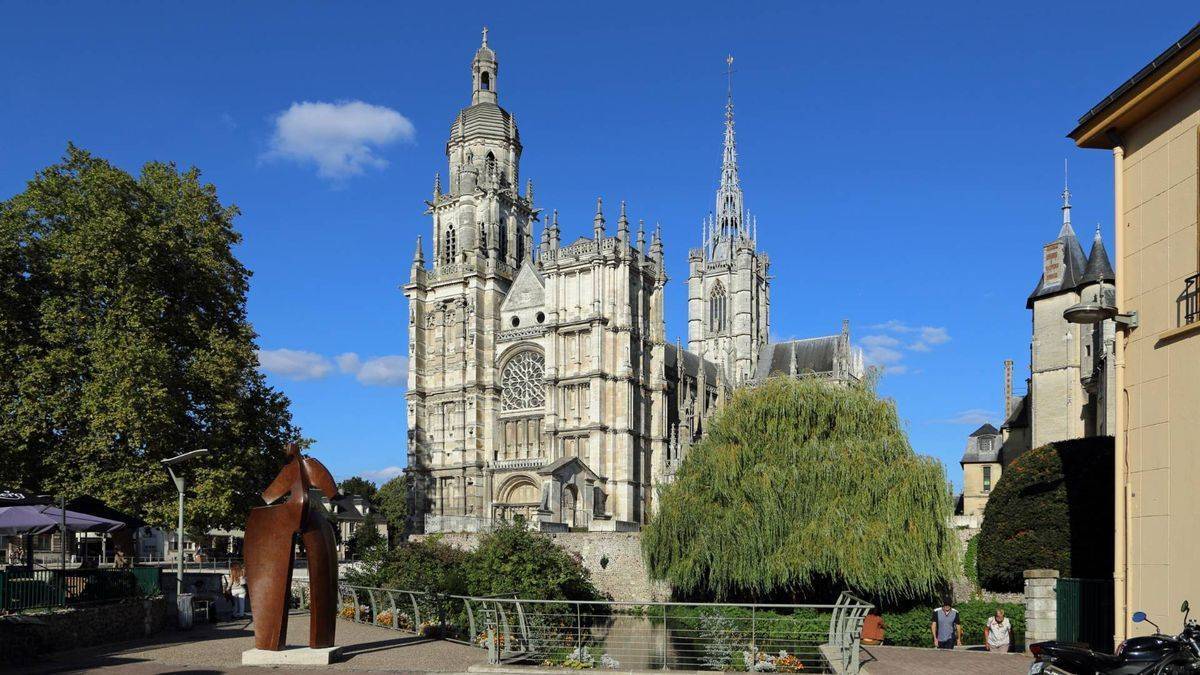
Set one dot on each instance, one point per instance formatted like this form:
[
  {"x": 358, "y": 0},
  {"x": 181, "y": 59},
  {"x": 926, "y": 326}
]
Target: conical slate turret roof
[{"x": 1098, "y": 267}]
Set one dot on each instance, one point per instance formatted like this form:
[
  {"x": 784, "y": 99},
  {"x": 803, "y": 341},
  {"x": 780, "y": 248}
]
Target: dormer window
[{"x": 985, "y": 444}]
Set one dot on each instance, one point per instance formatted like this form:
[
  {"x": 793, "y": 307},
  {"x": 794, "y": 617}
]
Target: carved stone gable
[{"x": 529, "y": 290}]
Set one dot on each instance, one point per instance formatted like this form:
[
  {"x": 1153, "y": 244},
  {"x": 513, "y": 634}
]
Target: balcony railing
[{"x": 1188, "y": 302}]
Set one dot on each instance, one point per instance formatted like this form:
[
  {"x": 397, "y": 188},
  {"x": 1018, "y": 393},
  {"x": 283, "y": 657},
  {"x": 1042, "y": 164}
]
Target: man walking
[{"x": 945, "y": 627}]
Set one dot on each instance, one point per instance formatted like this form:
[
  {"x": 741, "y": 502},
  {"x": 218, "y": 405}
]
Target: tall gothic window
[
  {"x": 503, "y": 240},
  {"x": 718, "y": 305},
  {"x": 522, "y": 382}
]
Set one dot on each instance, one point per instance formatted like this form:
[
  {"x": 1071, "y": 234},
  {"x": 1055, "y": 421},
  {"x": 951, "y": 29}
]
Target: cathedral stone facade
[{"x": 541, "y": 380}]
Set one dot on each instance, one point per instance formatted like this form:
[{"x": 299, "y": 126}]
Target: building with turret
[
  {"x": 1071, "y": 376},
  {"x": 541, "y": 380}
]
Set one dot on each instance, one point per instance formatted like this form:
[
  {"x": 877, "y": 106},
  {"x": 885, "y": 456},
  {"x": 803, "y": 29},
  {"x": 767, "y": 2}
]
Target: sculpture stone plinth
[{"x": 291, "y": 656}]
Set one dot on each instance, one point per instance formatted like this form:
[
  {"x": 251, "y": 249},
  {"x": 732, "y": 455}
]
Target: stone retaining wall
[
  {"x": 613, "y": 558},
  {"x": 24, "y": 636},
  {"x": 964, "y": 589}
]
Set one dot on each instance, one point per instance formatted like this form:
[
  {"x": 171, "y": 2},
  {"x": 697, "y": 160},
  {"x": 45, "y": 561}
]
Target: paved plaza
[
  {"x": 218, "y": 649},
  {"x": 916, "y": 661}
]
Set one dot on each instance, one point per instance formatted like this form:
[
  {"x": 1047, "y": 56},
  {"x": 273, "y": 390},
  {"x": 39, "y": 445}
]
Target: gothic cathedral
[{"x": 541, "y": 381}]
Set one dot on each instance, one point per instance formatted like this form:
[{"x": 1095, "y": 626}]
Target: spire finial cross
[{"x": 485, "y": 29}]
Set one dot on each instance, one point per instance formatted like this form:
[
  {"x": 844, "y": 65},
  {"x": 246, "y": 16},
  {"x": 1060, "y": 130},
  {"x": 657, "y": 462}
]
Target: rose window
[{"x": 522, "y": 382}]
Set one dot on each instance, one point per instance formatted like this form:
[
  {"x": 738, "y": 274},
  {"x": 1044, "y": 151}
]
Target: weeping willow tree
[{"x": 802, "y": 488}]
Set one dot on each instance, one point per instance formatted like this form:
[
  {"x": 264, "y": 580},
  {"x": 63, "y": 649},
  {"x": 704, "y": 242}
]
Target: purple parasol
[{"x": 34, "y": 519}]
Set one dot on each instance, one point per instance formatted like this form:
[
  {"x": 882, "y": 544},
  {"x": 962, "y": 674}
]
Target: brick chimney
[{"x": 1007, "y": 388}]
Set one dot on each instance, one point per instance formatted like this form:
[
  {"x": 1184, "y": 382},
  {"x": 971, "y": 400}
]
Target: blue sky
[{"x": 904, "y": 160}]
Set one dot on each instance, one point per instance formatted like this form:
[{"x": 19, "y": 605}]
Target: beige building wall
[
  {"x": 975, "y": 489},
  {"x": 1058, "y": 396},
  {"x": 1162, "y": 375}
]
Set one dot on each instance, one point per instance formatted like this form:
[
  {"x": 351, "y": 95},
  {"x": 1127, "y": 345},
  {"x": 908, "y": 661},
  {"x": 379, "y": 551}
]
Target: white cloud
[
  {"x": 381, "y": 476},
  {"x": 892, "y": 326},
  {"x": 341, "y": 138},
  {"x": 973, "y": 417},
  {"x": 882, "y": 350},
  {"x": 385, "y": 371},
  {"x": 381, "y": 371},
  {"x": 348, "y": 362},
  {"x": 886, "y": 350},
  {"x": 929, "y": 338},
  {"x": 294, "y": 364}
]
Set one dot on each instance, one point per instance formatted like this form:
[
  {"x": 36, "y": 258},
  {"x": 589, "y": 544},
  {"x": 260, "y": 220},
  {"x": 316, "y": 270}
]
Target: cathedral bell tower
[
  {"x": 728, "y": 286},
  {"x": 481, "y": 234}
]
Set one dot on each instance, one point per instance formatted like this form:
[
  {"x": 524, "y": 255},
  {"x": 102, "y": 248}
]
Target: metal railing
[
  {"x": 191, "y": 565},
  {"x": 22, "y": 590},
  {"x": 626, "y": 635},
  {"x": 1188, "y": 302}
]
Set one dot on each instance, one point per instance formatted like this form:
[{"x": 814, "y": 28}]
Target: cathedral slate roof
[
  {"x": 485, "y": 120},
  {"x": 691, "y": 364},
  {"x": 1075, "y": 266},
  {"x": 814, "y": 355}
]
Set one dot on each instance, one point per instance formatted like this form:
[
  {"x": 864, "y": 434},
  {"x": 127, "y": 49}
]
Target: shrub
[
  {"x": 1051, "y": 509},
  {"x": 801, "y": 489},
  {"x": 512, "y": 559},
  {"x": 971, "y": 561},
  {"x": 430, "y": 565}
]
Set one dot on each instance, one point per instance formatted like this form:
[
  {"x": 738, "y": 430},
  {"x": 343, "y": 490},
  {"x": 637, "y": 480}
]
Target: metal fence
[
  {"x": 199, "y": 565},
  {"x": 626, "y": 636},
  {"x": 22, "y": 590}
]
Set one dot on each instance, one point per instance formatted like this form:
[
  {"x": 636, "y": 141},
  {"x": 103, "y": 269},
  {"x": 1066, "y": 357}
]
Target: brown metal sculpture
[{"x": 270, "y": 550}]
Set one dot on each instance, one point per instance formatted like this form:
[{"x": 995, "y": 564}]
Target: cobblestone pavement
[
  {"x": 916, "y": 661},
  {"x": 218, "y": 649}
]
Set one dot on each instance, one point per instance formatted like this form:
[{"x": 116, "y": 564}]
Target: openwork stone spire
[{"x": 728, "y": 223}]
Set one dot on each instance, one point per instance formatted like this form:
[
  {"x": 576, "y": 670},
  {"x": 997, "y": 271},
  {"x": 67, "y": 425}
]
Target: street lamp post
[{"x": 171, "y": 464}]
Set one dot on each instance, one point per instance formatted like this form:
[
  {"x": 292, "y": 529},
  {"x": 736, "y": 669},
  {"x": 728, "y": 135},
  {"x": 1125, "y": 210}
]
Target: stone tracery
[{"x": 522, "y": 383}]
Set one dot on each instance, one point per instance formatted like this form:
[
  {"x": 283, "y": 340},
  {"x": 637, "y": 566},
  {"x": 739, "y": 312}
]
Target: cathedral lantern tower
[
  {"x": 728, "y": 284},
  {"x": 481, "y": 227}
]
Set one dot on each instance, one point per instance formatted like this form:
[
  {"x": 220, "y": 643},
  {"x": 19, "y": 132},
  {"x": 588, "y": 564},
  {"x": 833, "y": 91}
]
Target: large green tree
[
  {"x": 802, "y": 488},
  {"x": 392, "y": 503},
  {"x": 359, "y": 487},
  {"x": 124, "y": 340}
]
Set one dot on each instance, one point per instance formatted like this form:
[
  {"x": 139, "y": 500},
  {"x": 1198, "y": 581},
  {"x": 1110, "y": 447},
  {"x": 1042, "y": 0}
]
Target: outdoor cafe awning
[
  {"x": 23, "y": 513},
  {"x": 31, "y": 519}
]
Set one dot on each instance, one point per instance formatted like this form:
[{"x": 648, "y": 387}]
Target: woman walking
[{"x": 997, "y": 634}]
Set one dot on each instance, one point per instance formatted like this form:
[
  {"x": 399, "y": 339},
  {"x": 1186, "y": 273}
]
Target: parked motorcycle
[{"x": 1156, "y": 654}]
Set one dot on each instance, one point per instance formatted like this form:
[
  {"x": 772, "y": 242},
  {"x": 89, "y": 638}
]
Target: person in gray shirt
[{"x": 945, "y": 627}]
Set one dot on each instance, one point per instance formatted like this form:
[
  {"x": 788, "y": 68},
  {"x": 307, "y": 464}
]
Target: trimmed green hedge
[
  {"x": 1052, "y": 509},
  {"x": 911, "y": 628}
]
